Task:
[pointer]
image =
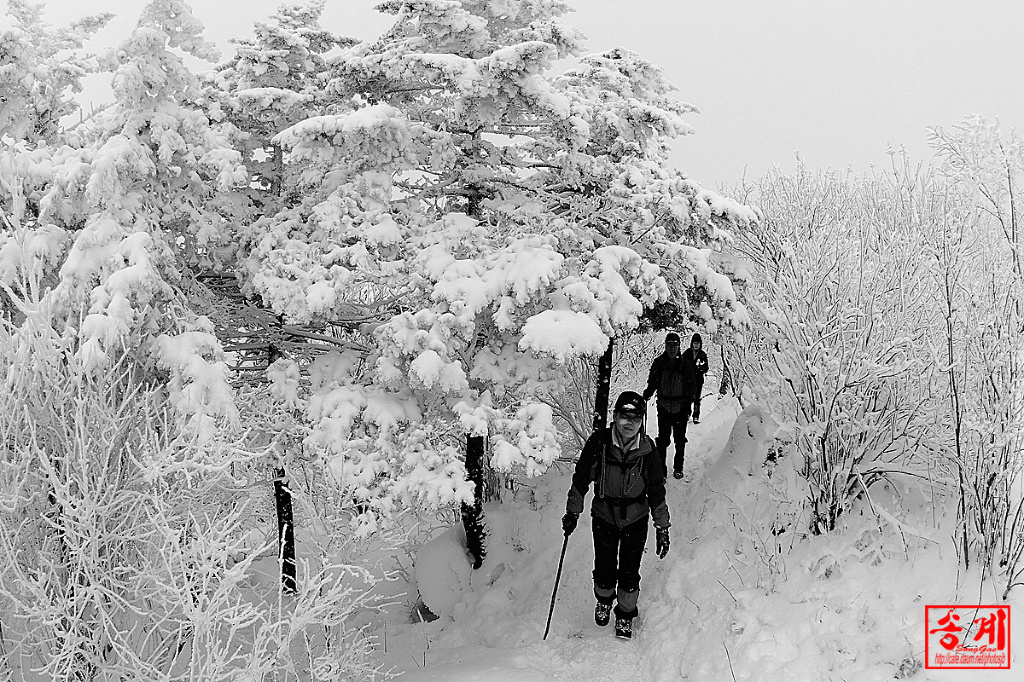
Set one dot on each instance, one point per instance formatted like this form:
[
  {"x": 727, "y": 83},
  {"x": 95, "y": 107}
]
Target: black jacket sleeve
[
  {"x": 656, "y": 491},
  {"x": 653, "y": 378},
  {"x": 582, "y": 477}
]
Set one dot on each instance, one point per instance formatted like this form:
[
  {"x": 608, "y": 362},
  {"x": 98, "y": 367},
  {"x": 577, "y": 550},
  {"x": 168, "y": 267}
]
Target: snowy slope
[{"x": 731, "y": 601}]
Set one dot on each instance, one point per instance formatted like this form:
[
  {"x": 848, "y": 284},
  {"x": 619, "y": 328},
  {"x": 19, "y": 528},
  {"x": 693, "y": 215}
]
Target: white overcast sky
[{"x": 838, "y": 82}]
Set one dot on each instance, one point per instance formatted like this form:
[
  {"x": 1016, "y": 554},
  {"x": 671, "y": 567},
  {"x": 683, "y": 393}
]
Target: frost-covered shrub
[
  {"x": 845, "y": 328},
  {"x": 888, "y": 339},
  {"x": 127, "y": 543},
  {"x": 981, "y": 293}
]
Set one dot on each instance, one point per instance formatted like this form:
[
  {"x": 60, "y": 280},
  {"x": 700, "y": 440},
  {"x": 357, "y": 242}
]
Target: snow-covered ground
[{"x": 732, "y": 600}]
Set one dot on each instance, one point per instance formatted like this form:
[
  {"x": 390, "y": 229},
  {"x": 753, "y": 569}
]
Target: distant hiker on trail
[
  {"x": 668, "y": 378},
  {"x": 695, "y": 366},
  {"x": 629, "y": 489}
]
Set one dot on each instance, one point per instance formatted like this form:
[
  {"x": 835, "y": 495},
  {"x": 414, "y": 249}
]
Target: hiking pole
[{"x": 558, "y": 576}]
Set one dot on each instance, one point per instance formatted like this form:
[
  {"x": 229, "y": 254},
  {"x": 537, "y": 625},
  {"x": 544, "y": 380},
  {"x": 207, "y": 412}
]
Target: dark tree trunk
[
  {"x": 285, "y": 530},
  {"x": 473, "y": 515},
  {"x": 283, "y": 505},
  {"x": 604, "y": 385}
]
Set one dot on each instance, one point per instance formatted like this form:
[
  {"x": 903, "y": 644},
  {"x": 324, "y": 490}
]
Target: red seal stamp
[{"x": 967, "y": 637}]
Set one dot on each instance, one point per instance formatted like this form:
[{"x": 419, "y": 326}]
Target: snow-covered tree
[
  {"x": 485, "y": 221},
  {"x": 275, "y": 78},
  {"x": 123, "y": 212},
  {"x": 41, "y": 69},
  {"x": 126, "y": 527}
]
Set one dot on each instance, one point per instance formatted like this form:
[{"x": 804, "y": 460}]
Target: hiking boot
[
  {"x": 678, "y": 473},
  {"x": 696, "y": 420},
  {"x": 623, "y": 627},
  {"x": 601, "y": 613}
]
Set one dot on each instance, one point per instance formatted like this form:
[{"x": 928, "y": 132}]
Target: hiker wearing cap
[
  {"x": 668, "y": 378},
  {"x": 622, "y": 462},
  {"x": 695, "y": 366}
]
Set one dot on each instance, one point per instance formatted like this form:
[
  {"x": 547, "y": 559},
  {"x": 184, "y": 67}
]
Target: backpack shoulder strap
[
  {"x": 650, "y": 461},
  {"x": 602, "y": 463}
]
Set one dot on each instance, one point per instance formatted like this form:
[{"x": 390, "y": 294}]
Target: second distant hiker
[
  {"x": 667, "y": 378},
  {"x": 695, "y": 366},
  {"x": 678, "y": 379}
]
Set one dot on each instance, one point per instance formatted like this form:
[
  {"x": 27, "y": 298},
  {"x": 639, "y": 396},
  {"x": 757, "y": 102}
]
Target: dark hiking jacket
[
  {"x": 668, "y": 378},
  {"x": 627, "y": 485},
  {"x": 695, "y": 366}
]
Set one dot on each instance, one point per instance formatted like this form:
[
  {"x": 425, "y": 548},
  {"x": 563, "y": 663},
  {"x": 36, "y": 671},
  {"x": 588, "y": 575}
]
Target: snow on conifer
[
  {"x": 138, "y": 191},
  {"x": 483, "y": 220}
]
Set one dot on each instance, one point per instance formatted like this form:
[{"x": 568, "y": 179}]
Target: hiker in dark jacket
[
  {"x": 629, "y": 489},
  {"x": 669, "y": 379},
  {"x": 695, "y": 366}
]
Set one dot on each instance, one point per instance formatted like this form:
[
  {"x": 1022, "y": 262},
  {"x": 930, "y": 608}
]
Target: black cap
[
  {"x": 631, "y": 404},
  {"x": 671, "y": 336},
  {"x": 696, "y": 337}
]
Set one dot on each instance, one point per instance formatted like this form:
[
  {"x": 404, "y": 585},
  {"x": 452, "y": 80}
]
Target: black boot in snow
[
  {"x": 623, "y": 627},
  {"x": 602, "y": 613}
]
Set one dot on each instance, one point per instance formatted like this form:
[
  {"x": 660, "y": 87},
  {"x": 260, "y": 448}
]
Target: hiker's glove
[
  {"x": 662, "y": 536},
  {"x": 569, "y": 522}
]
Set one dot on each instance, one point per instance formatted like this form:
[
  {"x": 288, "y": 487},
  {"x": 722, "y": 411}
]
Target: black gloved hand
[
  {"x": 662, "y": 541},
  {"x": 569, "y": 522}
]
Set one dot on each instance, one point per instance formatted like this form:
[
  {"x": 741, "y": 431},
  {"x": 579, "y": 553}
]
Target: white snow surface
[
  {"x": 443, "y": 571},
  {"x": 729, "y": 602},
  {"x": 563, "y": 333}
]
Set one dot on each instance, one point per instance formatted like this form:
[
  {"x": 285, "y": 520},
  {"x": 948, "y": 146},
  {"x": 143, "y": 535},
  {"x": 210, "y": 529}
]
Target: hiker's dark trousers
[
  {"x": 693, "y": 403},
  {"x": 672, "y": 426},
  {"x": 617, "y": 554}
]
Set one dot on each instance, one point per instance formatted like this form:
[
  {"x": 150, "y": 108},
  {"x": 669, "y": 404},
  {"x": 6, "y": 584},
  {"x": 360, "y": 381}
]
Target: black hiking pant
[
  {"x": 617, "y": 554},
  {"x": 693, "y": 403},
  {"x": 672, "y": 425}
]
